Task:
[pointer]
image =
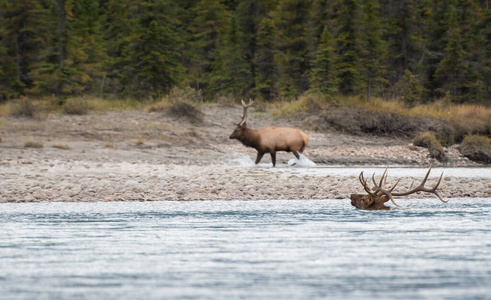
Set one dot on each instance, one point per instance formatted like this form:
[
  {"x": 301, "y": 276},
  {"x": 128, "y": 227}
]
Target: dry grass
[
  {"x": 99, "y": 104},
  {"x": 62, "y": 147},
  {"x": 76, "y": 106},
  {"x": 72, "y": 105},
  {"x": 183, "y": 104},
  {"x": 429, "y": 141},
  {"x": 109, "y": 145},
  {"x": 140, "y": 142},
  {"x": 32, "y": 144},
  {"x": 23, "y": 107},
  {"x": 306, "y": 103},
  {"x": 468, "y": 118}
]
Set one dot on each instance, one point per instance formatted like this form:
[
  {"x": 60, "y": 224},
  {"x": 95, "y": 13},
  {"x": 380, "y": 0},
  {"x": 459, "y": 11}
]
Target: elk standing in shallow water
[
  {"x": 376, "y": 198},
  {"x": 270, "y": 139}
]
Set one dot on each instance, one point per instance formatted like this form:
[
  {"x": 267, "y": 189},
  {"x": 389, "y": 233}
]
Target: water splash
[
  {"x": 237, "y": 159},
  {"x": 303, "y": 162}
]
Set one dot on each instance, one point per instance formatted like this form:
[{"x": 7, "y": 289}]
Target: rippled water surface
[{"x": 247, "y": 250}]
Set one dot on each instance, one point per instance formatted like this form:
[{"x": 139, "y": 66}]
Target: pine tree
[
  {"x": 265, "y": 69},
  {"x": 376, "y": 49},
  {"x": 450, "y": 72},
  {"x": 231, "y": 71},
  {"x": 85, "y": 46},
  {"x": 290, "y": 21},
  {"x": 208, "y": 25},
  {"x": 150, "y": 61},
  {"x": 249, "y": 14},
  {"x": 406, "y": 26},
  {"x": 22, "y": 35},
  {"x": 350, "y": 47},
  {"x": 323, "y": 74}
]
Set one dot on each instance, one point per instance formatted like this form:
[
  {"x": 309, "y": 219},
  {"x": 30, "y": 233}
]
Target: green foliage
[
  {"x": 290, "y": 19},
  {"x": 323, "y": 76},
  {"x": 264, "y": 67},
  {"x": 268, "y": 49},
  {"x": 410, "y": 88},
  {"x": 149, "y": 60},
  {"x": 477, "y": 148},
  {"x": 429, "y": 141},
  {"x": 350, "y": 45},
  {"x": 231, "y": 73}
]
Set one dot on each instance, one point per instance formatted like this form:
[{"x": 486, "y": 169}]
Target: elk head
[{"x": 379, "y": 195}]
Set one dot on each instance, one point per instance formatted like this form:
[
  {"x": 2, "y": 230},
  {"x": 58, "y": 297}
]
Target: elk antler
[
  {"x": 421, "y": 188},
  {"x": 244, "y": 117},
  {"x": 380, "y": 190}
]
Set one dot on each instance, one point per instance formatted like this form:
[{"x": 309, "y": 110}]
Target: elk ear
[{"x": 370, "y": 200}]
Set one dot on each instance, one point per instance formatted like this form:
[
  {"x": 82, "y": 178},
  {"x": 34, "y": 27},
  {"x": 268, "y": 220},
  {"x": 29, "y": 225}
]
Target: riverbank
[{"x": 139, "y": 156}]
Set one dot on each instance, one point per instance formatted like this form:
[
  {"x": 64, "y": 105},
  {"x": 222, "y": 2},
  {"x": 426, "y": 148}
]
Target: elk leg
[
  {"x": 259, "y": 157},
  {"x": 296, "y": 154},
  {"x": 273, "y": 157}
]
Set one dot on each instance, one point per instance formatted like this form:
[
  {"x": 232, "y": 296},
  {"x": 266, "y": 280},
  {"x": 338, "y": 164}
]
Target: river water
[{"x": 246, "y": 250}]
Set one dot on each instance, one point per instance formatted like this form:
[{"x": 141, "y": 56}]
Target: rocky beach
[{"x": 140, "y": 156}]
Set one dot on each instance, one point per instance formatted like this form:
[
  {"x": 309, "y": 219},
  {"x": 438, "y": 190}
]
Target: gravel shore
[{"x": 136, "y": 156}]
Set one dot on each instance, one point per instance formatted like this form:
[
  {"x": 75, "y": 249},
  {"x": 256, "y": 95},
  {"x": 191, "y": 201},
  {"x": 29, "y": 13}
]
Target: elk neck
[{"x": 249, "y": 137}]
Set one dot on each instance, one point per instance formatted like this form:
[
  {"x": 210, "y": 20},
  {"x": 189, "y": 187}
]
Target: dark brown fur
[{"x": 368, "y": 202}]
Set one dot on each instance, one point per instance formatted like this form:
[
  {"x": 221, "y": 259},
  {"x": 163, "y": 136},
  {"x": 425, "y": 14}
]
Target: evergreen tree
[
  {"x": 290, "y": 20},
  {"x": 249, "y": 14},
  {"x": 450, "y": 72},
  {"x": 209, "y": 24},
  {"x": 350, "y": 47},
  {"x": 265, "y": 69},
  {"x": 22, "y": 34},
  {"x": 323, "y": 74},
  {"x": 150, "y": 61},
  {"x": 406, "y": 26},
  {"x": 85, "y": 46},
  {"x": 231, "y": 71},
  {"x": 375, "y": 51}
]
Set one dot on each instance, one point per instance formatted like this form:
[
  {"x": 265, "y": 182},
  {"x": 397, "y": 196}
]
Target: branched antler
[
  {"x": 379, "y": 189},
  {"x": 244, "y": 116}
]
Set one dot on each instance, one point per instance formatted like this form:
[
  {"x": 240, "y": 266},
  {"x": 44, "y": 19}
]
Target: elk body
[
  {"x": 270, "y": 139},
  {"x": 376, "y": 198}
]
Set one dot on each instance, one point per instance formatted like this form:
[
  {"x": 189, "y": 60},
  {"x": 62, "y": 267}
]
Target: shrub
[
  {"x": 180, "y": 104},
  {"x": 308, "y": 102},
  {"x": 429, "y": 141},
  {"x": 476, "y": 148},
  {"x": 23, "y": 108},
  {"x": 31, "y": 144},
  {"x": 76, "y": 106},
  {"x": 185, "y": 110}
]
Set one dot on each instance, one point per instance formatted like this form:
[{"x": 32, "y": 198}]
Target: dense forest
[{"x": 415, "y": 50}]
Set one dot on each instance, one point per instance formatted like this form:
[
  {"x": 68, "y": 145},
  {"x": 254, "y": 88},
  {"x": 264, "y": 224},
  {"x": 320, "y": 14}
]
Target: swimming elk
[
  {"x": 379, "y": 195},
  {"x": 269, "y": 139}
]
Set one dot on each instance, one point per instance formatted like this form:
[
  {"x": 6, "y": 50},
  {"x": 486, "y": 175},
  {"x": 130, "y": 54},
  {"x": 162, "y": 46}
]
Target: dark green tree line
[{"x": 416, "y": 50}]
